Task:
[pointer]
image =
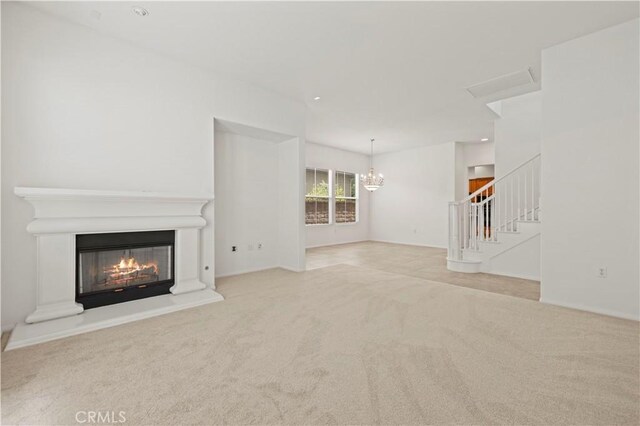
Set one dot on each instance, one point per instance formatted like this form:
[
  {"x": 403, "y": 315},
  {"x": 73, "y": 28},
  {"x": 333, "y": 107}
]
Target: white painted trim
[
  {"x": 57, "y": 210},
  {"x": 376, "y": 241},
  {"x": 579, "y": 307},
  {"x": 337, "y": 244},
  {"x": 8, "y": 328},
  {"x": 107, "y": 316},
  {"x": 409, "y": 244},
  {"x": 522, "y": 276},
  {"x": 286, "y": 268},
  {"x": 464, "y": 266},
  {"x": 66, "y": 194},
  {"x": 248, "y": 271},
  {"x": 112, "y": 224}
]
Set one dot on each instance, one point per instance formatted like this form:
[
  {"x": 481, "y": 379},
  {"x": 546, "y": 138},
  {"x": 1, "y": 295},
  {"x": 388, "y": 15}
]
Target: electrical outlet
[
  {"x": 234, "y": 248},
  {"x": 602, "y": 272},
  {"x": 259, "y": 246}
]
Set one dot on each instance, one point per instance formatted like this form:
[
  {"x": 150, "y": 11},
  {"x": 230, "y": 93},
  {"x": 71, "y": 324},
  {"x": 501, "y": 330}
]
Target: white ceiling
[{"x": 393, "y": 71}]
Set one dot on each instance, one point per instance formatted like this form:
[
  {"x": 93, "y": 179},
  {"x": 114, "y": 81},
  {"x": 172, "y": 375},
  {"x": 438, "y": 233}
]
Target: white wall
[
  {"x": 324, "y": 157},
  {"x": 291, "y": 190},
  {"x": 590, "y": 189},
  {"x": 82, "y": 110},
  {"x": 521, "y": 261},
  {"x": 517, "y": 131},
  {"x": 470, "y": 155},
  {"x": 257, "y": 210},
  {"x": 246, "y": 205},
  {"x": 482, "y": 172},
  {"x": 412, "y": 206},
  {"x": 517, "y": 139}
]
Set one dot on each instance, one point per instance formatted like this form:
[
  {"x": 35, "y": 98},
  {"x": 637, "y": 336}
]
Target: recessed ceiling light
[
  {"x": 141, "y": 11},
  {"x": 484, "y": 139},
  {"x": 317, "y": 98}
]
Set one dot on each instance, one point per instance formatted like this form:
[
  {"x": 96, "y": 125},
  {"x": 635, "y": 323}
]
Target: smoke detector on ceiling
[{"x": 141, "y": 11}]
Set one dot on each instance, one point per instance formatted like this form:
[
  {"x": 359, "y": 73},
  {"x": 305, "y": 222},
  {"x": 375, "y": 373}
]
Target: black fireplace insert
[{"x": 119, "y": 267}]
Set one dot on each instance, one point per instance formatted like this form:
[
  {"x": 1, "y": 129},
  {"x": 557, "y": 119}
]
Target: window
[
  {"x": 346, "y": 193},
  {"x": 317, "y": 210}
]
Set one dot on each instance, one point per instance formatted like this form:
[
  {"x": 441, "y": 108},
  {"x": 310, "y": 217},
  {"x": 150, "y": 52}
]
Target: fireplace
[{"x": 119, "y": 267}]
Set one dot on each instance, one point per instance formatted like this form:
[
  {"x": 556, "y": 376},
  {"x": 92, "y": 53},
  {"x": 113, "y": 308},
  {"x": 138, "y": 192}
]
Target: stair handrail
[
  {"x": 493, "y": 182},
  {"x": 496, "y": 206}
]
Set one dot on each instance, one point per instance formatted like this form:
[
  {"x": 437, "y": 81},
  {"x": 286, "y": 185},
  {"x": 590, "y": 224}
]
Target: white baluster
[
  {"x": 475, "y": 227},
  {"x": 463, "y": 225},
  {"x": 526, "y": 212},
  {"x": 469, "y": 224},
  {"x": 460, "y": 220},
  {"x": 496, "y": 204},
  {"x": 482, "y": 219},
  {"x": 472, "y": 222},
  {"x": 509, "y": 201},
  {"x": 465, "y": 229},
  {"x": 500, "y": 190},
  {"x": 519, "y": 204},
  {"x": 478, "y": 218},
  {"x": 496, "y": 213},
  {"x": 465, "y": 218},
  {"x": 533, "y": 183}
]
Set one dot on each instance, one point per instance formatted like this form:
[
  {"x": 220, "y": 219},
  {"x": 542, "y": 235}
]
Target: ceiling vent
[{"x": 500, "y": 84}]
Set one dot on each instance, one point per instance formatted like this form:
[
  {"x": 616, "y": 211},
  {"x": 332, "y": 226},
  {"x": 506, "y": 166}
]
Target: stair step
[{"x": 465, "y": 266}]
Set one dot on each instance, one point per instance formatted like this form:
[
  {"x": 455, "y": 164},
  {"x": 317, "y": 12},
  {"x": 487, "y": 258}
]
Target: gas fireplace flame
[{"x": 130, "y": 268}]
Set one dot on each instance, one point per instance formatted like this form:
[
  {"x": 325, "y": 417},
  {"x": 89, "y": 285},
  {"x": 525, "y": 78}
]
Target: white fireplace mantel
[
  {"x": 89, "y": 211},
  {"x": 61, "y": 214}
]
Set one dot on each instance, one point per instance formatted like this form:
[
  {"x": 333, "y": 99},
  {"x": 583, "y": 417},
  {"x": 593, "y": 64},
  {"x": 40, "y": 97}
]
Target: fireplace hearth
[{"x": 119, "y": 267}]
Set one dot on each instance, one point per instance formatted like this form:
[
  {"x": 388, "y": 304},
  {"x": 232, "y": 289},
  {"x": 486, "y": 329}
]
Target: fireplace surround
[{"x": 67, "y": 223}]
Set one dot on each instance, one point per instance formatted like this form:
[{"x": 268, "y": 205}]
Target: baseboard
[
  {"x": 409, "y": 244},
  {"x": 8, "y": 328},
  {"x": 584, "y": 308},
  {"x": 250, "y": 270},
  {"x": 286, "y": 268},
  {"x": 247, "y": 271},
  {"x": 521, "y": 276},
  {"x": 337, "y": 244}
]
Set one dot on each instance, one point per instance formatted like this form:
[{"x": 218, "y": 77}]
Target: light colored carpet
[
  {"x": 338, "y": 345},
  {"x": 429, "y": 263}
]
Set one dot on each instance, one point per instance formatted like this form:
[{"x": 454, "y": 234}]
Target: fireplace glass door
[
  {"x": 117, "y": 269},
  {"x": 114, "y": 268}
]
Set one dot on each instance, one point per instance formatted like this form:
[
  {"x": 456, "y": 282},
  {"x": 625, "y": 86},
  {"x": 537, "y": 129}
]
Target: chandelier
[{"x": 370, "y": 181}]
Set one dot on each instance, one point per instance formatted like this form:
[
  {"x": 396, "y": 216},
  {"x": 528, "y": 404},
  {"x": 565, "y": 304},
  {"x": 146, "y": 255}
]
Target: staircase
[{"x": 500, "y": 216}]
